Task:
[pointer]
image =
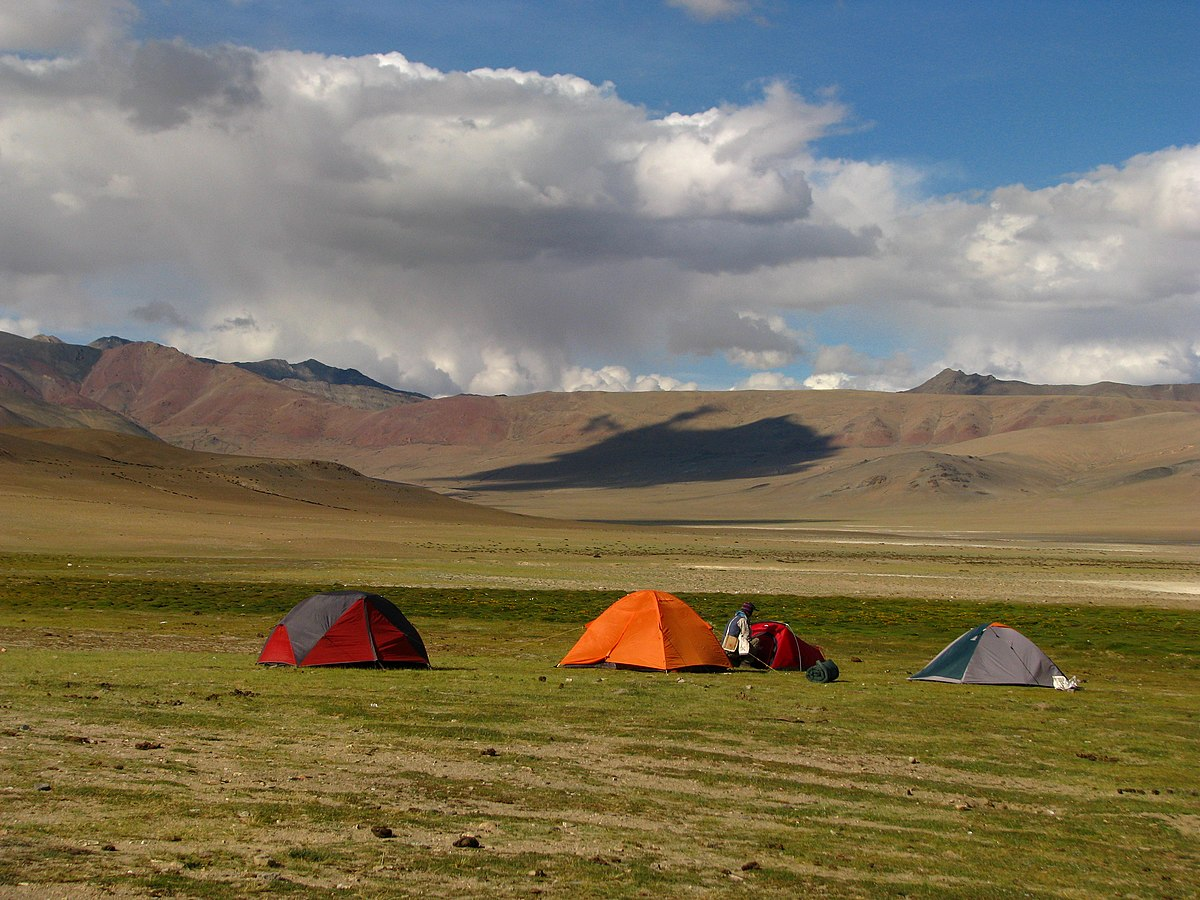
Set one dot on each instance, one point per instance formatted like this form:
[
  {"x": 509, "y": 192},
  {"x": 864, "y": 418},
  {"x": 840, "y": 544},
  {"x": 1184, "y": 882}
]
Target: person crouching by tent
[{"x": 737, "y": 643}]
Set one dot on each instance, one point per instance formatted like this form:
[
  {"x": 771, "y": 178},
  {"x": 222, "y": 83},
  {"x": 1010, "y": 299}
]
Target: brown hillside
[
  {"x": 104, "y": 490},
  {"x": 1133, "y": 476},
  {"x": 204, "y": 404},
  {"x": 573, "y": 439},
  {"x": 972, "y": 452},
  {"x": 838, "y": 457},
  {"x": 23, "y": 408}
]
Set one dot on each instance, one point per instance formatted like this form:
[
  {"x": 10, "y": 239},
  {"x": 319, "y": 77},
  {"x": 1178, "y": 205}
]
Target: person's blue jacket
[{"x": 737, "y": 634}]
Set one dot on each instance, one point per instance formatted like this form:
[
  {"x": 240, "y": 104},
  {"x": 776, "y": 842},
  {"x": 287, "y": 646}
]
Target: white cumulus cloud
[
  {"x": 485, "y": 231},
  {"x": 711, "y": 10},
  {"x": 619, "y": 379}
]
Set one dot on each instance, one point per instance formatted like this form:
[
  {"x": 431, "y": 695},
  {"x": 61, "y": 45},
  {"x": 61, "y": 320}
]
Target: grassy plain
[{"x": 144, "y": 753}]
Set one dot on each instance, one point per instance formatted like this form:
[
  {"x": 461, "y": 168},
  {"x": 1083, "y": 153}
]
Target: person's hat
[{"x": 748, "y": 607}]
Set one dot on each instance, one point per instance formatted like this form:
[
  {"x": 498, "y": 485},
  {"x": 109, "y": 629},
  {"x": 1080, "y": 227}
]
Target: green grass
[{"x": 176, "y": 766}]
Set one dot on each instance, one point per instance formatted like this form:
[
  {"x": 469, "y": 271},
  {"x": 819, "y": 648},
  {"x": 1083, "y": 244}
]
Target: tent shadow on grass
[{"x": 667, "y": 452}]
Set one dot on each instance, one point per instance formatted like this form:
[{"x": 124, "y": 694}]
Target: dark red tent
[
  {"x": 345, "y": 628},
  {"x": 779, "y": 648}
]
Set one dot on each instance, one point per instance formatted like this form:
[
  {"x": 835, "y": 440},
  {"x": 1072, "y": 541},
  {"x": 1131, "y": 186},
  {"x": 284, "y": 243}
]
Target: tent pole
[{"x": 763, "y": 661}]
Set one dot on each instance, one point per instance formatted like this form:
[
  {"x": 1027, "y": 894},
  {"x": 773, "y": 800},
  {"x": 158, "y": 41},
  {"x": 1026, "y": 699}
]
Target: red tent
[
  {"x": 345, "y": 628},
  {"x": 779, "y": 648}
]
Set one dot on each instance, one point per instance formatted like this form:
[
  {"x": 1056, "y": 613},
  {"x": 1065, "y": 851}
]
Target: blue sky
[
  {"x": 713, "y": 193},
  {"x": 981, "y": 94}
]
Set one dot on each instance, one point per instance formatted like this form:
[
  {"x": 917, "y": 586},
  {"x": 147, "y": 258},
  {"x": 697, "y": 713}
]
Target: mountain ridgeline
[
  {"x": 957, "y": 442},
  {"x": 953, "y": 381}
]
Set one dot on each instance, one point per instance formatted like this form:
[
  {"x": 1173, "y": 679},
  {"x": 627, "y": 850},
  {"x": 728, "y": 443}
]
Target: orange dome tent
[{"x": 649, "y": 630}]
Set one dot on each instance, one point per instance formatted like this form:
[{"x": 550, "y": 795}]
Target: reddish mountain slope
[
  {"x": 787, "y": 454},
  {"x": 202, "y": 403}
]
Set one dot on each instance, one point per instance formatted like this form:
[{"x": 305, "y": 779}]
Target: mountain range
[{"x": 959, "y": 451}]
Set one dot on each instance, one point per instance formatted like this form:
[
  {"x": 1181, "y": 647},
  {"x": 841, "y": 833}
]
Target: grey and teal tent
[{"x": 993, "y": 654}]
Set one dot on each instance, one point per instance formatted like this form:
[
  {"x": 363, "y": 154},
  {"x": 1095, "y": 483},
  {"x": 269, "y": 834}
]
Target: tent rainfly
[
  {"x": 345, "y": 628},
  {"x": 649, "y": 630},
  {"x": 780, "y": 649},
  {"x": 994, "y": 654}
]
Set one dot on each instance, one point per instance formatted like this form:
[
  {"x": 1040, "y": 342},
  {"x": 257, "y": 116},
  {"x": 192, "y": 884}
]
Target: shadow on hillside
[{"x": 667, "y": 453}]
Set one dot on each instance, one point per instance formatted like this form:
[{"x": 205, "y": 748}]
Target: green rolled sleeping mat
[{"x": 821, "y": 673}]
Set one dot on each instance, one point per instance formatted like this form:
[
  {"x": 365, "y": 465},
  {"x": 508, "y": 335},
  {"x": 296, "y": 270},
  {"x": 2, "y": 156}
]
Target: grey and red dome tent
[
  {"x": 994, "y": 654},
  {"x": 345, "y": 628}
]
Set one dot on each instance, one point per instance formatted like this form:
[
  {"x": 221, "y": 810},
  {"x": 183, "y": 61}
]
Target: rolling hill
[{"x": 73, "y": 488}]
